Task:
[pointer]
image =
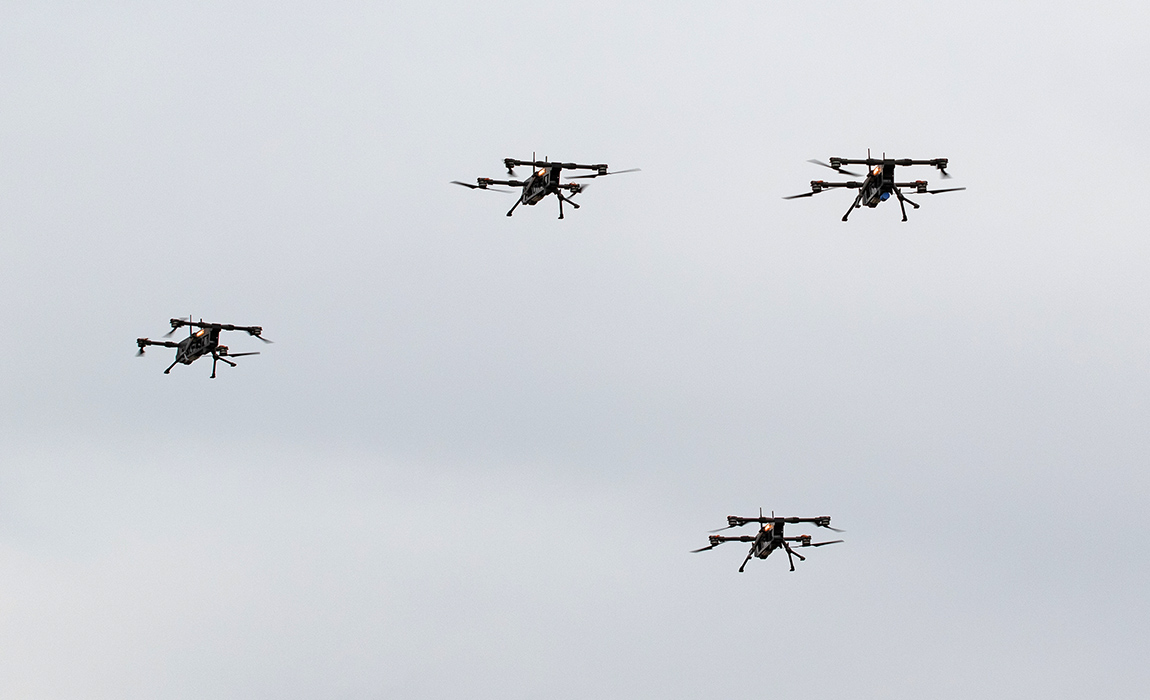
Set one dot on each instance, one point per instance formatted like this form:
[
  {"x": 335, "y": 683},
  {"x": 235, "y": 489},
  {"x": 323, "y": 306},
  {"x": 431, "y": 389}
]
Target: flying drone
[
  {"x": 543, "y": 180},
  {"x": 770, "y": 537},
  {"x": 204, "y": 341},
  {"x": 879, "y": 184}
]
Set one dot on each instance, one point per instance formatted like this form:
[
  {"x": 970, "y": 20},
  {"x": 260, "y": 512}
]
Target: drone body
[
  {"x": 880, "y": 183},
  {"x": 770, "y": 536},
  {"x": 203, "y": 341},
  {"x": 543, "y": 180}
]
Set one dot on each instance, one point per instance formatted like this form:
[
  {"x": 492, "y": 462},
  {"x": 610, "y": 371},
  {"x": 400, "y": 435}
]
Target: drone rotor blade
[
  {"x": 175, "y": 328},
  {"x": 702, "y": 549},
  {"x": 820, "y": 544},
  {"x": 837, "y": 170},
  {"x": 239, "y": 354},
  {"x": 948, "y": 189},
  {"x": 613, "y": 172},
  {"x": 804, "y": 194},
  {"x": 479, "y": 187},
  {"x": 722, "y": 528},
  {"x": 140, "y": 352}
]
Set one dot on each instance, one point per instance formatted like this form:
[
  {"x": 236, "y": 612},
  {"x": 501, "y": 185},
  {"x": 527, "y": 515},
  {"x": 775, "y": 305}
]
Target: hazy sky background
[{"x": 475, "y": 459}]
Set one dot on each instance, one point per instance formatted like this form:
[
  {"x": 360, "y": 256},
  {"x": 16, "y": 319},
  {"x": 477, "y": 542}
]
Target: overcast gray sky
[{"x": 475, "y": 459}]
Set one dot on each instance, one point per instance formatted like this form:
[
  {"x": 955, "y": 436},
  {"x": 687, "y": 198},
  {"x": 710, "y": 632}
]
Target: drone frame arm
[
  {"x": 739, "y": 521},
  {"x": 485, "y": 182},
  {"x": 818, "y": 186},
  {"x": 514, "y": 162},
  {"x": 250, "y": 330},
  {"x": 719, "y": 539},
  {"x": 144, "y": 342},
  {"x": 940, "y": 163},
  {"x": 824, "y": 185}
]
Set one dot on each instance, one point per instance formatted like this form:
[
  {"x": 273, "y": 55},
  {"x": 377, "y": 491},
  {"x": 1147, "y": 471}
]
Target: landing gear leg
[
  {"x": 513, "y": 206},
  {"x": 169, "y": 369},
  {"x": 791, "y": 554},
  {"x": 901, "y": 199},
  {"x": 853, "y": 205},
  {"x": 749, "y": 555},
  {"x": 564, "y": 199},
  {"x": 217, "y": 358}
]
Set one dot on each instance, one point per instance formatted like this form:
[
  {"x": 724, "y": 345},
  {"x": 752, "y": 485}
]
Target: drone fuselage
[
  {"x": 204, "y": 341},
  {"x": 768, "y": 539},
  {"x": 540, "y": 184},
  {"x": 879, "y": 185}
]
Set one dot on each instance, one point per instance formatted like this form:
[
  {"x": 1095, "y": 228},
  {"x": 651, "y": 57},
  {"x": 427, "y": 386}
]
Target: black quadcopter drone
[
  {"x": 879, "y": 184},
  {"x": 205, "y": 341},
  {"x": 543, "y": 180},
  {"x": 770, "y": 536}
]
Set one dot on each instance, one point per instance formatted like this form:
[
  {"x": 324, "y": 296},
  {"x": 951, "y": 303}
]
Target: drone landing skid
[
  {"x": 853, "y": 205},
  {"x": 216, "y": 358},
  {"x": 791, "y": 554},
  {"x": 564, "y": 199},
  {"x": 901, "y": 200}
]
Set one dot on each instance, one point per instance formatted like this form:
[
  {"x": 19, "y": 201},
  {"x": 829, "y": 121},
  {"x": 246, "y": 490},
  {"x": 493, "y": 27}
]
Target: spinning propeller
[
  {"x": 482, "y": 187},
  {"x": 616, "y": 172},
  {"x": 834, "y": 168},
  {"x": 806, "y": 194}
]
